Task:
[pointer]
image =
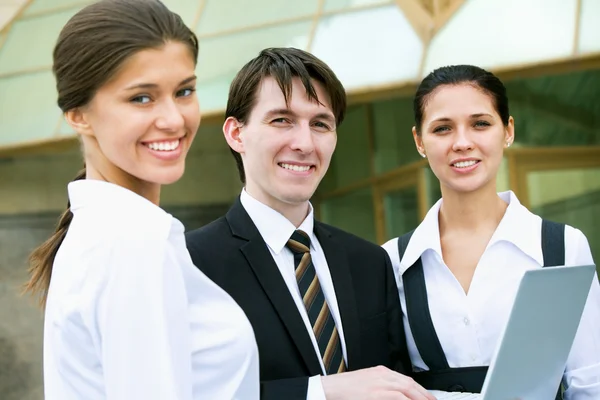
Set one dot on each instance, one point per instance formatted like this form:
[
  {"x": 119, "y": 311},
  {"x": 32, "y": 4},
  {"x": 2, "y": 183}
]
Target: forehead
[
  {"x": 172, "y": 61},
  {"x": 457, "y": 100},
  {"x": 269, "y": 96}
]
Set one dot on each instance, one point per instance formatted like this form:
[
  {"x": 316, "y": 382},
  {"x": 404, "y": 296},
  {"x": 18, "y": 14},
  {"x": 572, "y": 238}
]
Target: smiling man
[{"x": 322, "y": 302}]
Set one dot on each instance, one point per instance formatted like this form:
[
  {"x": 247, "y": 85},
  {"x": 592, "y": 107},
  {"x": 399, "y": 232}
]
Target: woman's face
[
  {"x": 463, "y": 137},
  {"x": 140, "y": 125}
]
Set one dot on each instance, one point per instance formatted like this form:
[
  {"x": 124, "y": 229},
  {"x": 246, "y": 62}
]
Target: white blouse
[
  {"x": 128, "y": 315},
  {"x": 469, "y": 326}
]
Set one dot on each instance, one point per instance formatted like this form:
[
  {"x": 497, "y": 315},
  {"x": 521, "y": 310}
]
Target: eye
[
  {"x": 441, "y": 129},
  {"x": 186, "y": 92},
  {"x": 322, "y": 126},
  {"x": 280, "y": 120},
  {"x": 482, "y": 124},
  {"x": 141, "y": 99}
]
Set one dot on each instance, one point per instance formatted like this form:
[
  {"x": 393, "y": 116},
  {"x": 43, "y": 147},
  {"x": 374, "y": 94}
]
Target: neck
[
  {"x": 296, "y": 213},
  {"x": 115, "y": 175},
  {"x": 471, "y": 211}
]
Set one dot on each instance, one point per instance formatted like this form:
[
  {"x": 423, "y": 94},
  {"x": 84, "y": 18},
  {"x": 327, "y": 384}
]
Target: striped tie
[{"x": 314, "y": 300}]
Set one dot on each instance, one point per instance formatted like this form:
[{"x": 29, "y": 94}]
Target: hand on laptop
[{"x": 378, "y": 383}]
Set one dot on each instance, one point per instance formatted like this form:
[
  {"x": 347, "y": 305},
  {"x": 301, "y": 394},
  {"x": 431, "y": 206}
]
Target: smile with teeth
[
  {"x": 465, "y": 164},
  {"x": 297, "y": 168},
  {"x": 164, "y": 146}
]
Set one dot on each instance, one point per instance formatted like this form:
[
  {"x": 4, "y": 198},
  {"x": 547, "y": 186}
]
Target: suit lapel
[
  {"x": 259, "y": 257},
  {"x": 339, "y": 268}
]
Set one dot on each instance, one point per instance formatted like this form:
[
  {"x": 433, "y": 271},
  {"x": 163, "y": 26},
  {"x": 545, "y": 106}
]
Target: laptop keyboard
[{"x": 454, "y": 395}]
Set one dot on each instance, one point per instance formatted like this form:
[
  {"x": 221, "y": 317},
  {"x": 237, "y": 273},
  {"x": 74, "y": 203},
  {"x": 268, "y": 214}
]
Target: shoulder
[
  {"x": 211, "y": 231},
  {"x": 352, "y": 243},
  {"x": 577, "y": 247}
]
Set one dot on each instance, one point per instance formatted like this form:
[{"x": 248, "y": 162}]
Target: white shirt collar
[
  {"x": 274, "y": 228},
  {"x": 89, "y": 192},
  {"x": 518, "y": 226}
]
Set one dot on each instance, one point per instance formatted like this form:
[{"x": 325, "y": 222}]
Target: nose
[
  {"x": 302, "y": 140},
  {"x": 462, "y": 140},
  {"x": 170, "y": 118}
]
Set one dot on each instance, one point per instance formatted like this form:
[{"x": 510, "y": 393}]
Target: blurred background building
[{"x": 546, "y": 51}]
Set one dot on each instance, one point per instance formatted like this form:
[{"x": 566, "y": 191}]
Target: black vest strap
[
  {"x": 553, "y": 243},
  {"x": 440, "y": 376},
  {"x": 421, "y": 325}
]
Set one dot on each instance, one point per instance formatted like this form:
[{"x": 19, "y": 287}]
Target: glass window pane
[
  {"x": 222, "y": 57},
  {"x": 455, "y": 43},
  {"x": 351, "y": 212},
  {"x": 30, "y": 42},
  {"x": 569, "y": 196},
  {"x": 401, "y": 211},
  {"x": 589, "y": 31},
  {"x": 369, "y": 47},
  {"x": 187, "y": 9},
  {"x": 337, "y": 5},
  {"x": 394, "y": 144},
  {"x": 556, "y": 110},
  {"x": 41, "y": 6},
  {"x": 224, "y": 15},
  {"x": 27, "y": 108},
  {"x": 350, "y": 161}
]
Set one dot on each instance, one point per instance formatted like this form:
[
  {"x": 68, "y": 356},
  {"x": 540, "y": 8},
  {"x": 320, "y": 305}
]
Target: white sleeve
[
  {"x": 143, "y": 325},
  {"x": 315, "y": 388},
  {"x": 582, "y": 374}
]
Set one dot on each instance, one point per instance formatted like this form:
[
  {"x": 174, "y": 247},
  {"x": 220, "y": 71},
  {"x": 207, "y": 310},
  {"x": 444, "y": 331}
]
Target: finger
[{"x": 424, "y": 392}]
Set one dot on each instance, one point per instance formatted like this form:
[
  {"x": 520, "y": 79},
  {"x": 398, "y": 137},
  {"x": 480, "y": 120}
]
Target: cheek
[
  {"x": 192, "y": 117},
  {"x": 325, "y": 147}
]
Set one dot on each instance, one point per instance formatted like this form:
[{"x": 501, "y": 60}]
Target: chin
[
  {"x": 166, "y": 176},
  {"x": 296, "y": 197},
  {"x": 467, "y": 187}
]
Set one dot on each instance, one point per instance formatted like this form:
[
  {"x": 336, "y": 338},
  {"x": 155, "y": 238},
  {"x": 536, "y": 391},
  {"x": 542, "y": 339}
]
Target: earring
[
  {"x": 423, "y": 155},
  {"x": 508, "y": 144}
]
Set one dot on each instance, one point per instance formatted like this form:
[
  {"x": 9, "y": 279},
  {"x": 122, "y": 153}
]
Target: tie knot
[{"x": 299, "y": 242}]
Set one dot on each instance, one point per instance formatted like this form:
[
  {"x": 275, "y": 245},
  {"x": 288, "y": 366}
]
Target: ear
[
  {"x": 509, "y": 135},
  {"x": 78, "y": 120},
  {"x": 419, "y": 142},
  {"x": 233, "y": 135}
]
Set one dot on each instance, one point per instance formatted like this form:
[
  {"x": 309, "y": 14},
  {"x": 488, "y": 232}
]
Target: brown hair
[
  {"x": 282, "y": 64},
  {"x": 90, "y": 50},
  {"x": 456, "y": 75}
]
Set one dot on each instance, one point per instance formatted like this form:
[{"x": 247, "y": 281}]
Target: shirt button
[
  {"x": 466, "y": 321},
  {"x": 473, "y": 357}
]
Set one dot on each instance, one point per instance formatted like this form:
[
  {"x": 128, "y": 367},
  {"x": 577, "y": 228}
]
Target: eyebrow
[
  {"x": 285, "y": 111},
  {"x": 154, "y": 85},
  {"x": 472, "y": 116}
]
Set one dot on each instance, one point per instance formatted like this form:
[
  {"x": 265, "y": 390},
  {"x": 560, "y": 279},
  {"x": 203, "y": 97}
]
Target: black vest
[{"x": 440, "y": 376}]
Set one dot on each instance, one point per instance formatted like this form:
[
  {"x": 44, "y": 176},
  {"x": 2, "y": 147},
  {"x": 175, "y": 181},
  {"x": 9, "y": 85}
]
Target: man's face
[{"x": 286, "y": 149}]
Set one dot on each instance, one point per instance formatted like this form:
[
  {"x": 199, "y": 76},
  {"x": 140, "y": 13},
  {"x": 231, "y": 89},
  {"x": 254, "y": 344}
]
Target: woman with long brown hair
[{"x": 127, "y": 314}]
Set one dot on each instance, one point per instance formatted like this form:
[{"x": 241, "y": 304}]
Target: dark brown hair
[
  {"x": 282, "y": 64},
  {"x": 455, "y": 75},
  {"x": 90, "y": 50}
]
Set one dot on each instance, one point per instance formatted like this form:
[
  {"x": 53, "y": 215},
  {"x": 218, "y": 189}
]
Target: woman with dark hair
[
  {"x": 127, "y": 314},
  {"x": 474, "y": 245}
]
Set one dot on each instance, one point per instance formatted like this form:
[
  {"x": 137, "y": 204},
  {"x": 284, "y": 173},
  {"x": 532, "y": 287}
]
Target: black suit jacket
[{"x": 232, "y": 253}]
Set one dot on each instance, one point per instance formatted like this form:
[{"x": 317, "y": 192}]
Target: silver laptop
[{"x": 535, "y": 345}]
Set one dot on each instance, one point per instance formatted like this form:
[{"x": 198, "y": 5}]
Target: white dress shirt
[
  {"x": 276, "y": 230},
  {"x": 469, "y": 326},
  {"x": 129, "y": 316}
]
